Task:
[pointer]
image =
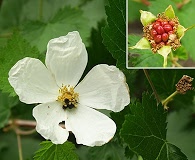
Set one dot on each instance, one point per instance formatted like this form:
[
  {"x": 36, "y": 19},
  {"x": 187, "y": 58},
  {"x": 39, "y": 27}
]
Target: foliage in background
[{"x": 143, "y": 127}]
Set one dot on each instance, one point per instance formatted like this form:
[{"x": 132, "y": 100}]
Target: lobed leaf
[
  {"x": 39, "y": 33},
  {"x": 145, "y": 131},
  {"x": 16, "y": 49},
  {"x": 22, "y": 10},
  {"x": 50, "y": 151}
]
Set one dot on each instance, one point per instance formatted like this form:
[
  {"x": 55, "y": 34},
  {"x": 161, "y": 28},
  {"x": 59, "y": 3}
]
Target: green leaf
[
  {"x": 30, "y": 10},
  {"x": 66, "y": 20},
  {"x": 6, "y": 103},
  {"x": 145, "y": 131},
  {"x": 109, "y": 151},
  {"x": 7, "y": 18},
  {"x": 130, "y": 154},
  {"x": 188, "y": 21},
  {"x": 50, "y": 151},
  {"x": 181, "y": 53},
  {"x": 94, "y": 10},
  {"x": 16, "y": 49},
  {"x": 114, "y": 34},
  {"x": 97, "y": 52},
  {"x": 39, "y": 13},
  {"x": 145, "y": 59}
]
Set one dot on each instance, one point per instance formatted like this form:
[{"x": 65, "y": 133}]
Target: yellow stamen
[{"x": 68, "y": 97}]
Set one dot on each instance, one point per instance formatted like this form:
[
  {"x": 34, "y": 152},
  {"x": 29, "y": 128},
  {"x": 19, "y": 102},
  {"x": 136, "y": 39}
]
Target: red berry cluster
[
  {"x": 161, "y": 29},
  {"x": 162, "y": 32}
]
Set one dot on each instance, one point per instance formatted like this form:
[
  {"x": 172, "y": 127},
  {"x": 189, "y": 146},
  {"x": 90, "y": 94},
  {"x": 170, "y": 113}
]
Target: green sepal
[
  {"x": 169, "y": 12},
  {"x": 147, "y": 17},
  {"x": 180, "y": 31},
  {"x": 142, "y": 44},
  {"x": 164, "y": 51}
]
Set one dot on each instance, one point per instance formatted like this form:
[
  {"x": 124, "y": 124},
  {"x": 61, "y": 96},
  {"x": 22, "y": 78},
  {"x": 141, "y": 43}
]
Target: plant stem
[
  {"x": 152, "y": 86},
  {"x": 190, "y": 27},
  {"x": 19, "y": 146},
  {"x": 21, "y": 132},
  {"x": 27, "y": 123},
  {"x": 164, "y": 61},
  {"x": 168, "y": 99},
  {"x": 174, "y": 60},
  {"x": 164, "y": 64},
  {"x": 177, "y": 64},
  {"x": 22, "y": 123}
]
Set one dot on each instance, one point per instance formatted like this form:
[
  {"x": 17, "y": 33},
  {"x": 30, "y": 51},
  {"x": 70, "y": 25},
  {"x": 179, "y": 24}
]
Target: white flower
[
  {"x": 62, "y": 99},
  {"x": 158, "y": 44}
]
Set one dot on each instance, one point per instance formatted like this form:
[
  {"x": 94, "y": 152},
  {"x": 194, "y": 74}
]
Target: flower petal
[
  {"x": 142, "y": 44},
  {"x": 48, "y": 117},
  {"x": 164, "y": 51},
  {"x": 180, "y": 31},
  {"x": 104, "y": 87},
  {"x": 147, "y": 17},
  {"x": 169, "y": 12},
  {"x": 89, "y": 126},
  {"x": 32, "y": 81},
  {"x": 66, "y": 58}
]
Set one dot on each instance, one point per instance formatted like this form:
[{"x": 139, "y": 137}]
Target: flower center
[
  {"x": 162, "y": 32},
  {"x": 68, "y": 97}
]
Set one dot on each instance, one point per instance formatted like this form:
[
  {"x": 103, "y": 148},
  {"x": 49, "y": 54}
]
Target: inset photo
[{"x": 161, "y": 34}]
